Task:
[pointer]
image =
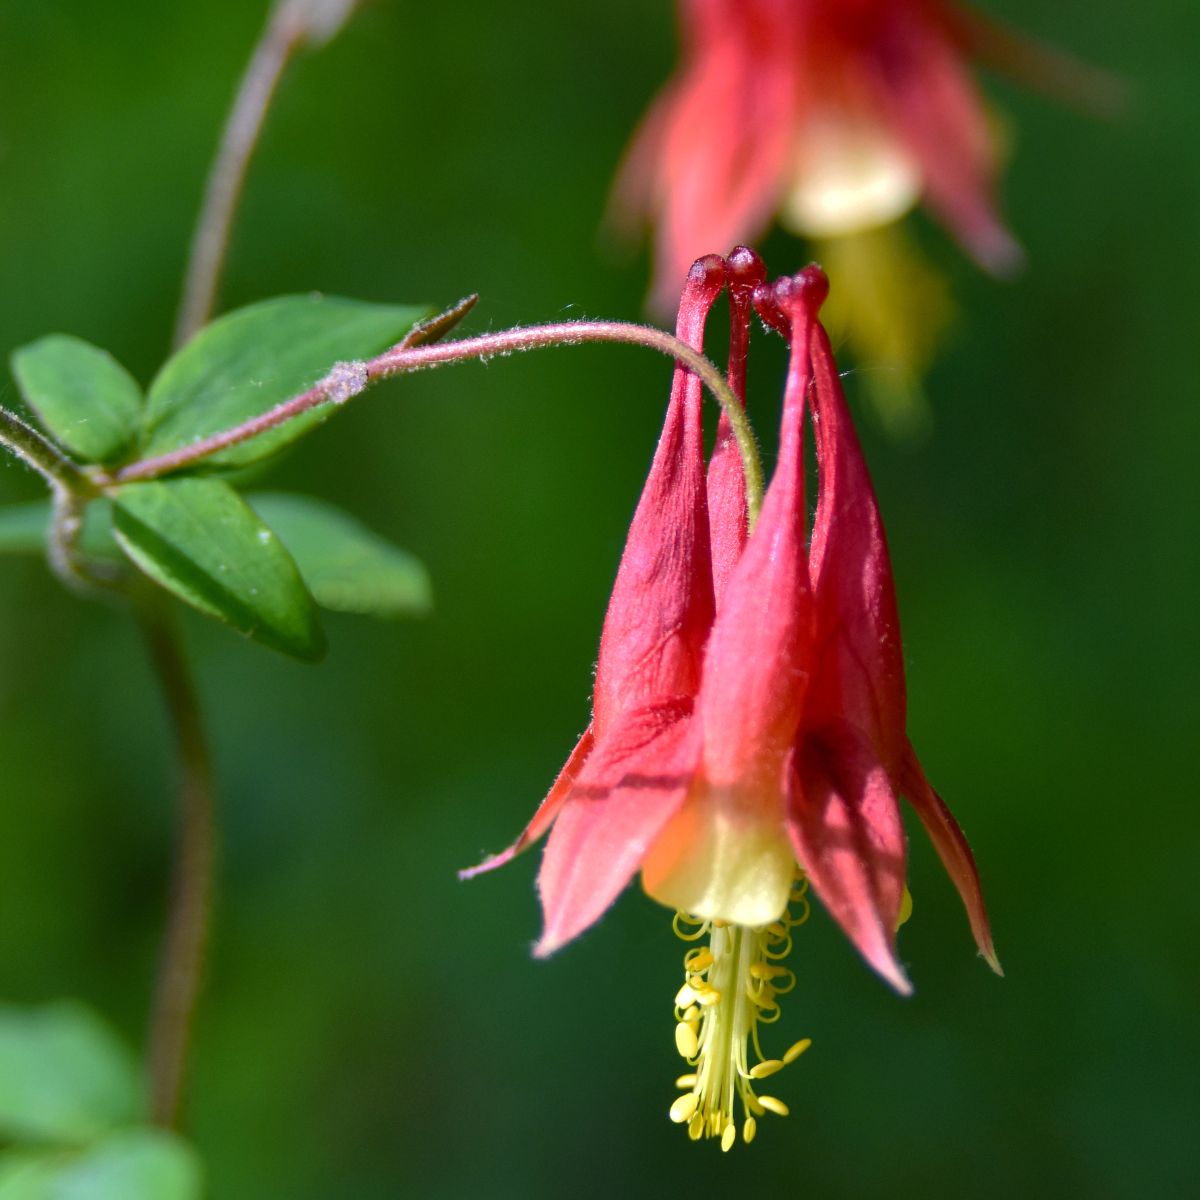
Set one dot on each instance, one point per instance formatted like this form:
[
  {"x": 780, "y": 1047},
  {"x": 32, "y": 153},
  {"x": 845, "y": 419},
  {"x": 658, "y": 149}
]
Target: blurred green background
[{"x": 371, "y": 1027}]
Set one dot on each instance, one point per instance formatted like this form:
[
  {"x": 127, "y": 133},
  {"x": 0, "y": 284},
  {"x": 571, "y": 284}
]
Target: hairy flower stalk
[{"x": 748, "y": 736}]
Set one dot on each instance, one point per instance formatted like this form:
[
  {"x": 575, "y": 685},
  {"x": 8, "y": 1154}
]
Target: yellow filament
[{"x": 731, "y": 987}]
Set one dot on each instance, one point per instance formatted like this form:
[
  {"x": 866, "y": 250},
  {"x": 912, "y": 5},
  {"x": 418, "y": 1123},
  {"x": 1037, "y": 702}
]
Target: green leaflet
[
  {"x": 248, "y": 361},
  {"x": 199, "y": 540},
  {"x": 133, "y": 1164},
  {"x": 346, "y": 566},
  {"x": 64, "y": 1075},
  {"x": 81, "y": 394}
]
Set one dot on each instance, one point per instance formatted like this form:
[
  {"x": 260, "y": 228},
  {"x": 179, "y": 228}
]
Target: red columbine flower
[
  {"x": 737, "y": 757},
  {"x": 839, "y": 115}
]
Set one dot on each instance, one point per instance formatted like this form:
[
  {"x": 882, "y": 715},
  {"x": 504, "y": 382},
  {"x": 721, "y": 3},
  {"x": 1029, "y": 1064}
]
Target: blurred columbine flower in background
[{"x": 838, "y": 117}]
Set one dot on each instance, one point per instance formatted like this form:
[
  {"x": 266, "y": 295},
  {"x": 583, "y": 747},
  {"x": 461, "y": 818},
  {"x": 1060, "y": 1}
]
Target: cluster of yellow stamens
[{"x": 731, "y": 986}]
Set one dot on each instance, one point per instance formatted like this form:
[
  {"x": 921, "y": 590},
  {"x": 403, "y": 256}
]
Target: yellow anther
[
  {"x": 771, "y": 1104},
  {"x": 686, "y": 1041},
  {"x": 749, "y": 1129},
  {"x": 793, "y": 1052},
  {"x": 708, "y": 997},
  {"x": 766, "y": 1068},
  {"x": 768, "y": 971},
  {"x": 684, "y": 1108},
  {"x": 685, "y": 996},
  {"x": 728, "y": 1137},
  {"x": 692, "y": 1013},
  {"x": 905, "y": 907},
  {"x": 699, "y": 960},
  {"x": 685, "y": 1081},
  {"x": 696, "y": 1127},
  {"x": 764, "y": 997}
]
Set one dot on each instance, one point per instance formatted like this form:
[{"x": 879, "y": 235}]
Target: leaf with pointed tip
[
  {"x": 64, "y": 1075},
  {"x": 250, "y": 360},
  {"x": 134, "y": 1164},
  {"x": 346, "y": 566},
  {"x": 200, "y": 540},
  {"x": 81, "y": 394}
]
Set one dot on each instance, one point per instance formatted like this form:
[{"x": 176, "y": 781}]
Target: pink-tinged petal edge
[
  {"x": 635, "y": 781},
  {"x": 845, "y": 826},
  {"x": 951, "y": 845},
  {"x": 547, "y": 810}
]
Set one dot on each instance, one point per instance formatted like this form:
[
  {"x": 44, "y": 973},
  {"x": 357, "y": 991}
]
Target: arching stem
[{"x": 403, "y": 359}]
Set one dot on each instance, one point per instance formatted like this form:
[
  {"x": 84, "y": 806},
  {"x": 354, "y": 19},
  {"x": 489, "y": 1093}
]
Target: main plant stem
[
  {"x": 186, "y": 935},
  {"x": 279, "y": 41}
]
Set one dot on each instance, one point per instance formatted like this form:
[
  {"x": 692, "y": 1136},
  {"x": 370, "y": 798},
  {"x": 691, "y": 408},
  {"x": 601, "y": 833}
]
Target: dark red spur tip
[
  {"x": 808, "y": 287},
  {"x": 746, "y": 268},
  {"x": 708, "y": 271},
  {"x": 767, "y": 307}
]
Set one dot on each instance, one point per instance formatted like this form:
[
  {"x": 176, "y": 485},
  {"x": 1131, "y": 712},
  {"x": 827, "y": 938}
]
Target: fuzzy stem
[
  {"x": 404, "y": 359},
  {"x": 38, "y": 452},
  {"x": 279, "y": 40},
  {"x": 186, "y": 935}
]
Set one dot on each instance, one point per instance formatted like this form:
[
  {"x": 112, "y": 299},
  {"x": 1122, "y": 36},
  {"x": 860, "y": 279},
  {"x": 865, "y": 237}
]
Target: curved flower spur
[{"x": 748, "y": 739}]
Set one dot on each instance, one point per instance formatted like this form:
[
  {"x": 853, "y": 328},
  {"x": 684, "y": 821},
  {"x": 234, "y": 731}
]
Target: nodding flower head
[
  {"x": 748, "y": 744},
  {"x": 837, "y": 116}
]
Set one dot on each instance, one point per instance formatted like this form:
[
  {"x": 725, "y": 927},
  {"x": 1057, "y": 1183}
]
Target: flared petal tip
[
  {"x": 544, "y": 948},
  {"x": 988, "y": 954},
  {"x": 997, "y": 252},
  {"x": 892, "y": 973},
  {"x": 489, "y": 864}
]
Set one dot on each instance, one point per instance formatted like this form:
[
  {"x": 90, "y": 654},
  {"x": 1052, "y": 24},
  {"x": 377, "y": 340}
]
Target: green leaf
[
  {"x": 248, "y": 361},
  {"x": 135, "y": 1164},
  {"x": 199, "y": 539},
  {"x": 81, "y": 394},
  {"x": 24, "y": 529},
  {"x": 346, "y": 566},
  {"x": 64, "y": 1075}
]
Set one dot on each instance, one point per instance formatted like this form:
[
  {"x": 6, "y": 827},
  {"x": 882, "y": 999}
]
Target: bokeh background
[{"x": 372, "y": 1028}]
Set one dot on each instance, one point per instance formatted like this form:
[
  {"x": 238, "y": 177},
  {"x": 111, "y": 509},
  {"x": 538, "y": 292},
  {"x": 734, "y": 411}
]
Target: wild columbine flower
[
  {"x": 746, "y": 750},
  {"x": 839, "y": 117}
]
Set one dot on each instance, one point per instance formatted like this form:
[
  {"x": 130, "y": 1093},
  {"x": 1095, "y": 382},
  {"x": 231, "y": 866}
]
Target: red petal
[
  {"x": 661, "y": 606},
  {"x": 845, "y": 826},
  {"x": 636, "y": 779},
  {"x": 547, "y": 811},
  {"x": 953, "y": 850},
  {"x": 860, "y": 671},
  {"x": 926, "y": 91},
  {"x": 757, "y": 661},
  {"x": 709, "y": 162}
]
